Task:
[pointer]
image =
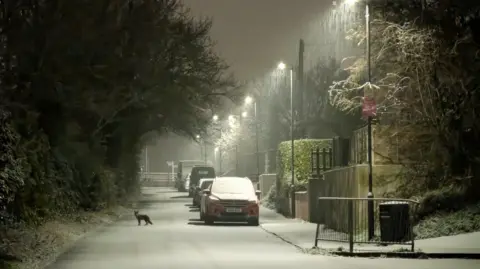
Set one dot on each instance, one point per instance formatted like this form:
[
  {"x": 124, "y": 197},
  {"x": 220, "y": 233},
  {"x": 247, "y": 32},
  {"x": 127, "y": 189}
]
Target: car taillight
[
  {"x": 253, "y": 208},
  {"x": 214, "y": 203},
  {"x": 214, "y": 207}
]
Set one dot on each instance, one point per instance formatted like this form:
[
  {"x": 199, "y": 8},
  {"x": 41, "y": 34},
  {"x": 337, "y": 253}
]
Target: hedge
[{"x": 302, "y": 155}]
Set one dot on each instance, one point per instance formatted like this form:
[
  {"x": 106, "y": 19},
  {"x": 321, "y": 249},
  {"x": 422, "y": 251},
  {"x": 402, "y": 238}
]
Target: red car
[{"x": 230, "y": 199}]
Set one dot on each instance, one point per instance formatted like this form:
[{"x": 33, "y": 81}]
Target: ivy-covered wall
[
  {"x": 302, "y": 162},
  {"x": 302, "y": 155}
]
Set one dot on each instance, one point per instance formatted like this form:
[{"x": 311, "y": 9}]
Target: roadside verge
[{"x": 301, "y": 234}]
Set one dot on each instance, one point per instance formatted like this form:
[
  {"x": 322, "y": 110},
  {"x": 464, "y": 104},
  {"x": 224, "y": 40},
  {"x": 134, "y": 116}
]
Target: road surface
[{"x": 178, "y": 240}]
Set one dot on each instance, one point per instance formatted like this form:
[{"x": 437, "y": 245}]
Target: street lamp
[
  {"x": 371, "y": 217},
  {"x": 205, "y": 151},
  {"x": 283, "y": 66},
  {"x": 248, "y": 101}
]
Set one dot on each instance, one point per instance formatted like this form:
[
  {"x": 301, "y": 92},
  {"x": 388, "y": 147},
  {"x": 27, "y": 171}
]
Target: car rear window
[
  {"x": 236, "y": 186},
  {"x": 202, "y": 172},
  {"x": 205, "y": 172},
  {"x": 206, "y": 184}
]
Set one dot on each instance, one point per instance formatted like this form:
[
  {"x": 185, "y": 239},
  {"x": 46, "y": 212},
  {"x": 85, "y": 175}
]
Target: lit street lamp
[
  {"x": 371, "y": 217},
  {"x": 283, "y": 66},
  {"x": 205, "y": 151},
  {"x": 248, "y": 101}
]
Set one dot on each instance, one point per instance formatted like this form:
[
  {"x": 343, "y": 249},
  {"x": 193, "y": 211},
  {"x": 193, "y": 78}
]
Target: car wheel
[
  {"x": 208, "y": 220},
  {"x": 254, "y": 222}
]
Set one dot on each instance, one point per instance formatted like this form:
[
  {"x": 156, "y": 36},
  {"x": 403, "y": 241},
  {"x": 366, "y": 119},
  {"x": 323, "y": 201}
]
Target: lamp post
[
  {"x": 248, "y": 101},
  {"x": 283, "y": 66},
  {"x": 232, "y": 123},
  {"x": 370, "y": 208},
  {"x": 204, "y": 148},
  {"x": 215, "y": 152}
]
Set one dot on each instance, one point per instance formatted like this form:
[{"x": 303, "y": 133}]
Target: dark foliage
[{"x": 81, "y": 83}]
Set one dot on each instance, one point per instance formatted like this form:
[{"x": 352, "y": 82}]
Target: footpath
[{"x": 302, "y": 235}]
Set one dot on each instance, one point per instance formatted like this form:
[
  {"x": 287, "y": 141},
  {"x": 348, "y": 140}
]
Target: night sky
[{"x": 253, "y": 35}]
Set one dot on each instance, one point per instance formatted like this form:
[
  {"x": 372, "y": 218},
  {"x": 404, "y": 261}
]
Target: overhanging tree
[
  {"x": 426, "y": 83},
  {"x": 85, "y": 80}
]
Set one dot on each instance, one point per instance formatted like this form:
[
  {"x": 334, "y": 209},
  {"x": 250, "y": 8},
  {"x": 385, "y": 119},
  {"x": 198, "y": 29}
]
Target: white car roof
[
  {"x": 205, "y": 179},
  {"x": 232, "y": 178}
]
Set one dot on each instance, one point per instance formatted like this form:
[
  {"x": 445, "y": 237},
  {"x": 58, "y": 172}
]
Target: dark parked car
[
  {"x": 202, "y": 185},
  {"x": 198, "y": 172}
]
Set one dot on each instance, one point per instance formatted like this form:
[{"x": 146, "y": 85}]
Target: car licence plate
[{"x": 233, "y": 210}]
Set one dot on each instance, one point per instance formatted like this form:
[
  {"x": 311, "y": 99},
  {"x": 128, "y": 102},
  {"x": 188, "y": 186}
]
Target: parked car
[
  {"x": 198, "y": 172},
  {"x": 184, "y": 167},
  {"x": 230, "y": 199},
  {"x": 203, "y": 184},
  {"x": 185, "y": 184}
]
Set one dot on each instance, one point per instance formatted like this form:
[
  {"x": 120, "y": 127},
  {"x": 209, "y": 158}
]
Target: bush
[
  {"x": 446, "y": 223},
  {"x": 303, "y": 150},
  {"x": 270, "y": 199},
  {"x": 11, "y": 172},
  {"x": 448, "y": 199}
]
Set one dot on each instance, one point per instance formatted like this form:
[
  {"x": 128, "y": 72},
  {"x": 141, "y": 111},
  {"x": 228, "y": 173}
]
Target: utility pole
[
  {"x": 237, "y": 172},
  {"x": 256, "y": 143},
  {"x": 146, "y": 159},
  {"x": 292, "y": 145},
  {"x": 205, "y": 153},
  {"x": 370, "y": 206},
  {"x": 220, "y": 160},
  {"x": 301, "y": 88}
]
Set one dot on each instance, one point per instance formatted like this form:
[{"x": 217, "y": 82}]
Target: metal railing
[
  {"x": 155, "y": 179},
  {"x": 346, "y": 220},
  {"x": 321, "y": 160}
]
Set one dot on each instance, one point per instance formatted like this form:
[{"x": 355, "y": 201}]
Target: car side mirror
[{"x": 207, "y": 192}]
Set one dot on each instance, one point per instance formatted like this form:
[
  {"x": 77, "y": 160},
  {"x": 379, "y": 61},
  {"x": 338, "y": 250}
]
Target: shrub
[
  {"x": 448, "y": 199},
  {"x": 271, "y": 198},
  {"x": 446, "y": 223},
  {"x": 302, "y": 156},
  {"x": 11, "y": 172}
]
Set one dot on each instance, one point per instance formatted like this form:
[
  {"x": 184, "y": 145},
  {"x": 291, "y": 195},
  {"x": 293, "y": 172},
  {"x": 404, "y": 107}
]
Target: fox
[{"x": 143, "y": 217}]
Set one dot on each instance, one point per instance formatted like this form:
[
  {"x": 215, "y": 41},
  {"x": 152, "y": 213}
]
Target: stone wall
[
  {"x": 348, "y": 182},
  {"x": 301, "y": 206},
  {"x": 265, "y": 183},
  {"x": 384, "y": 146}
]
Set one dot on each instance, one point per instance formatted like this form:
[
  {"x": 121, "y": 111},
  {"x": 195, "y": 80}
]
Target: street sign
[{"x": 369, "y": 108}]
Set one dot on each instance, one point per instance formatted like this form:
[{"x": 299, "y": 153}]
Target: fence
[
  {"x": 247, "y": 163},
  {"x": 321, "y": 160},
  {"x": 157, "y": 179},
  {"x": 341, "y": 151},
  {"x": 347, "y": 220}
]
